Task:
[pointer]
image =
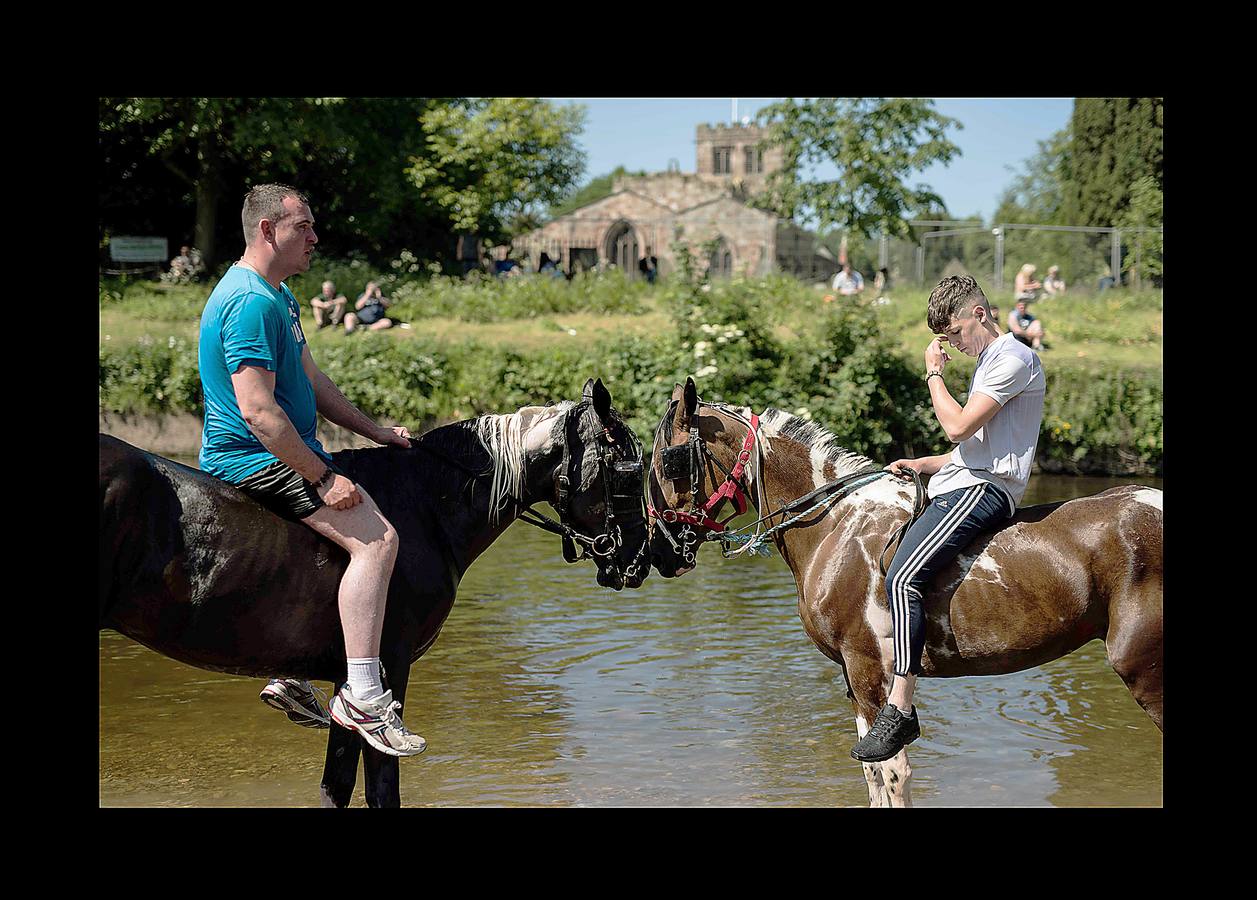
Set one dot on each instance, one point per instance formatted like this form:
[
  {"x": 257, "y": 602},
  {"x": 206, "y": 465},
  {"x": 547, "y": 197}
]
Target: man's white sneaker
[
  {"x": 377, "y": 721},
  {"x": 297, "y": 699}
]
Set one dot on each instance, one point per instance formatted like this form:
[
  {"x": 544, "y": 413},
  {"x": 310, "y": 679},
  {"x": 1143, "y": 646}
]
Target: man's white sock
[{"x": 364, "y": 678}]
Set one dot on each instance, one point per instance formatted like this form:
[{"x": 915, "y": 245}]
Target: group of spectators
[
  {"x": 1024, "y": 325},
  {"x": 547, "y": 265},
  {"x": 850, "y": 283},
  {"x": 368, "y": 313}
]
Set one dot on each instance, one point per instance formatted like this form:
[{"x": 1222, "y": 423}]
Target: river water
[{"x": 547, "y": 690}]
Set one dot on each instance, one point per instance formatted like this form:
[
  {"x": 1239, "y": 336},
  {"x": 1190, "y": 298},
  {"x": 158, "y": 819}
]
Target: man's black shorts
[{"x": 282, "y": 490}]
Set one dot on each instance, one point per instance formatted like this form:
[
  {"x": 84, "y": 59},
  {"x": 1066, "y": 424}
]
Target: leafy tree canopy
[
  {"x": 596, "y": 189},
  {"x": 875, "y": 144},
  {"x": 493, "y": 160},
  {"x": 1036, "y": 195},
  {"x": 1116, "y": 142}
]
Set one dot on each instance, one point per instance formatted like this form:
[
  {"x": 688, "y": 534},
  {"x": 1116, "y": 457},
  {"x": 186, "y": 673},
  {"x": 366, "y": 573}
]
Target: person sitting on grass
[
  {"x": 848, "y": 282},
  {"x": 1053, "y": 284},
  {"x": 1025, "y": 327},
  {"x": 369, "y": 311},
  {"x": 329, "y": 306}
]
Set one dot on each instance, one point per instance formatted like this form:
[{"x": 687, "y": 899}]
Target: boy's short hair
[
  {"x": 266, "y": 201},
  {"x": 952, "y": 299}
]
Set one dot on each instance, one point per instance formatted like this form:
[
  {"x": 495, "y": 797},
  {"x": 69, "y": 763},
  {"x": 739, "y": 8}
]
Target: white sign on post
[{"x": 138, "y": 249}]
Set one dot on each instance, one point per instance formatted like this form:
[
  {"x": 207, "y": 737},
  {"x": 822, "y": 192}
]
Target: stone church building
[{"x": 649, "y": 212}]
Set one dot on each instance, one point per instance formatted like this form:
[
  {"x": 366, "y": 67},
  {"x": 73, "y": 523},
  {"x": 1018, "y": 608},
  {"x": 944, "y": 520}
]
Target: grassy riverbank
[{"x": 476, "y": 347}]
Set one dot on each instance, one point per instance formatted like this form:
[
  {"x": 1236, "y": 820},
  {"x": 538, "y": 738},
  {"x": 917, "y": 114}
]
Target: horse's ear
[
  {"x": 691, "y": 397},
  {"x": 602, "y": 401},
  {"x": 584, "y": 392}
]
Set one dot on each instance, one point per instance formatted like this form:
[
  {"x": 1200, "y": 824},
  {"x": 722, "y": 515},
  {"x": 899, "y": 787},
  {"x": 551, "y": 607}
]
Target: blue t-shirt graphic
[{"x": 248, "y": 321}]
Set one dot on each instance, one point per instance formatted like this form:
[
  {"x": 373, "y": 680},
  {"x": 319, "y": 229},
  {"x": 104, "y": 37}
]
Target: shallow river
[{"x": 545, "y": 689}]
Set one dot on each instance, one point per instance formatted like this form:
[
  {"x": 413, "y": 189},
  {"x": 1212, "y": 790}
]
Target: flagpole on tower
[{"x": 734, "y": 120}]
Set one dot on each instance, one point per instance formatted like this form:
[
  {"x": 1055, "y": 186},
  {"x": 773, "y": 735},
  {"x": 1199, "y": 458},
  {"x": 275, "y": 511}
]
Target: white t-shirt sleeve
[{"x": 1004, "y": 378}]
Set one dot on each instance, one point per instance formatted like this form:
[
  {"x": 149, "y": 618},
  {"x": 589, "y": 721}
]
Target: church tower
[{"x": 728, "y": 155}]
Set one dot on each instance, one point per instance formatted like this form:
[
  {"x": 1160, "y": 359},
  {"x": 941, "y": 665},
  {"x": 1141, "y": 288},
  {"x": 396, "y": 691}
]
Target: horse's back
[
  {"x": 193, "y": 568},
  {"x": 1046, "y": 580}
]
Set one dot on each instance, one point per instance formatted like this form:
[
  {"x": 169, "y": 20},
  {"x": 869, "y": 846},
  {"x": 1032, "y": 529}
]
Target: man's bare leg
[
  {"x": 371, "y": 542},
  {"x": 901, "y": 690},
  {"x": 362, "y": 704}
]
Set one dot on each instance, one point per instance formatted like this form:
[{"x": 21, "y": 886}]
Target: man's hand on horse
[
  {"x": 340, "y": 493},
  {"x": 903, "y": 468},
  {"x": 398, "y": 435},
  {"x": 935, "y": 356}
]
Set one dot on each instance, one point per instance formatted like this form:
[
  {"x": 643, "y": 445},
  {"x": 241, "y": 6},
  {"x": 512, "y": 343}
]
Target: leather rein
[{"x": 734, "y": 489}]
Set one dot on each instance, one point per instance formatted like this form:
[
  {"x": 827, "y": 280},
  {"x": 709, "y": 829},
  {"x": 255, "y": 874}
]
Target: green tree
[
  {"x": 875, "y": 144},
  {"x": 1116, "y": 142},
  {"x": 1036, "y": 195},
  {"x": 1144, "y": 256},
  {"x": 493, "y": 161},
  {"x": 363, "y": 198},
  {"x": 200, "y": 139},
  {"x": 596, "y": 189}
]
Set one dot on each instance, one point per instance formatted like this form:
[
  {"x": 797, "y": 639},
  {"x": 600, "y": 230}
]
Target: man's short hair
[
  {"x": 952, "y": 299},
  {"x": 266, "y": 201}
]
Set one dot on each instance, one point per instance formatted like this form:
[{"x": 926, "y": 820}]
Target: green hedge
[{"x": 844, "y": 372}]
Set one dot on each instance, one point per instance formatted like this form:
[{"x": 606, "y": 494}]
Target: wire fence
[
  {"x": 1087, "y": 258},
  {"x": 746, "y": 242}
]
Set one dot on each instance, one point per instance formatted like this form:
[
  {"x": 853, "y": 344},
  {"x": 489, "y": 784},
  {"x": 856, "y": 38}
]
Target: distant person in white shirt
[
  {"x": 1053, "y": 284},
  {"x": 848, "y": 282}
]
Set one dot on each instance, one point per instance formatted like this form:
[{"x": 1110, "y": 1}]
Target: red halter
[{"x": 730, "y": 490}]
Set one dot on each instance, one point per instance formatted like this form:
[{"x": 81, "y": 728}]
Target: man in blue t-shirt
[{"x": 263, "y": 393}]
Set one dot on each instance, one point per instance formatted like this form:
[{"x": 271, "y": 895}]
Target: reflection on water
[{"x": 545, "y": 689}]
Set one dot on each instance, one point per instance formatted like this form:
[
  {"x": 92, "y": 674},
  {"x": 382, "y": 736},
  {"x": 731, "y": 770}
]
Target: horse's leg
[
  {"x": 869, "y": 687},
  {"x": 340, "y": 770},
  {"x": 897, "y": 776},
  {"x": 872, "y": 771},
  {"x": 382, "y": 772},
  {"x": 1136, "y": 653}
]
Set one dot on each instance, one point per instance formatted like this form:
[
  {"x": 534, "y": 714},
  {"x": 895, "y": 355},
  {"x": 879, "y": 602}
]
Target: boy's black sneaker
[{"x": 891, "y": 732}]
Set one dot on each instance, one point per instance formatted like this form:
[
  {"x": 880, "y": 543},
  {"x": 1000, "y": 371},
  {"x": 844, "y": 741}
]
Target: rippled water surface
[{"x": 545, "y": 689}]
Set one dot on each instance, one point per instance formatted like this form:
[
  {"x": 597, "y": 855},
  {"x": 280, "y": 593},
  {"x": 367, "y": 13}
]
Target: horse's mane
[
  {"x": 775, "y": 422},
  {"x": 503, "y": 437},
  {"x": 489, "y": 445},
  {"x": 778, "y": 423}
]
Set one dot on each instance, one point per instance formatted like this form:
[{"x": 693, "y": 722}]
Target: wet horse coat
[
  {"x": 196, "y": 570},
  {"x": 1055, "y": 577}
]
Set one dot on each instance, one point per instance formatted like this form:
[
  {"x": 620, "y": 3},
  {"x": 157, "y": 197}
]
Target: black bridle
[
  {"x": 622, "y": 493},
  {"x": 685, "y": 462}
]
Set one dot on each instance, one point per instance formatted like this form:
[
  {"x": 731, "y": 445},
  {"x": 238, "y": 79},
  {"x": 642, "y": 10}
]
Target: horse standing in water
[
  {"x": 194, "y": 569},
  {"x": 1055, "y": 577}
]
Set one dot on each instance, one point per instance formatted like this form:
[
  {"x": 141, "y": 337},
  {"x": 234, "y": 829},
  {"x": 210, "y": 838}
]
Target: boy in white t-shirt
[{"x": 974, "y": 488}]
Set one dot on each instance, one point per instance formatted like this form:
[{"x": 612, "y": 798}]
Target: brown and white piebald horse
[{"x": 1055, "y": 577}]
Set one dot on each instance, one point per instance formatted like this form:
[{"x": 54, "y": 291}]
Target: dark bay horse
[
  {"x": 194, "y": 569},
  {"x": 1055, "y": 577}
]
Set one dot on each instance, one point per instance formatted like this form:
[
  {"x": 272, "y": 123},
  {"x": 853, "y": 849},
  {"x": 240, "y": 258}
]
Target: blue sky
[{"x": 644, "y": 134}]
